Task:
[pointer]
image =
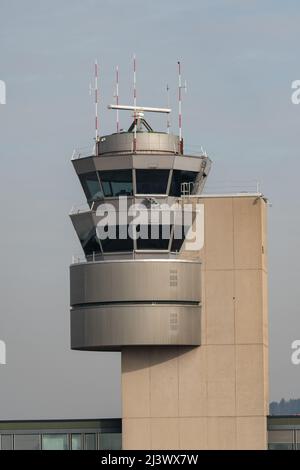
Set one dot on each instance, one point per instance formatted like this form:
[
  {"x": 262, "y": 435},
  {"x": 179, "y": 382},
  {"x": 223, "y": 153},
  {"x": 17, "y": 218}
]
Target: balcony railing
[
  {"x": 232, "y": 187},
  {"x": 88, "y": 151},
  {"x": 128, "y": 255},
  {"x": 82, "y": 152}
]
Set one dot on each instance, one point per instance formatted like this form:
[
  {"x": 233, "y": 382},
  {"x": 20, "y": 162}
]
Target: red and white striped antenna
[
  {"x": 138, "y": 111},
  {"x": 117, "y": 97},
  {"x": 168, "y": 106},
  {"x": 134, "y": 101},
  {"x": 179, "y": 106}
]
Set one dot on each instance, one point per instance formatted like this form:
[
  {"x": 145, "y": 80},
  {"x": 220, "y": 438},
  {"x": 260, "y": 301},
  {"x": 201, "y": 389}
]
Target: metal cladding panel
[
  {"x": 182, "y": 162},
  {"x": 136, "y": 160},
  {"x": 153, "y": 161},
  {"x": 135, "y": 280},
  {"x": 83, "y": 223},
  {"x": 115, "y": 162},
  {"x": 111, "y": 327},
  {"x": 145, "y": 141},
  {"x": 84, "y": 165}
]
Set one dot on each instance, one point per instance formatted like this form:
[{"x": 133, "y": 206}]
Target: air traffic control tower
[{"x": 191, "y": 323}]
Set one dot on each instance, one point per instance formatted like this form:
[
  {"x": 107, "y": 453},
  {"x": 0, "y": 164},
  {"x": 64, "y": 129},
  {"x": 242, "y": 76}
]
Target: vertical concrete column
[{"x": 214, "y": 396}]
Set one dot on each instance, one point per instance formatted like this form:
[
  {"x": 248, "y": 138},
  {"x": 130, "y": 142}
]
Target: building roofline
[
  {"x": 57, "y": 420},
  {"x": 215, "y": 195}
]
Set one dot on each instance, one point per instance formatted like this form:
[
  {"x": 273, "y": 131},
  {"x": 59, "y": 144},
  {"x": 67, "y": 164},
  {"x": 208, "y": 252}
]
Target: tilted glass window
[
  {"x": 158, "y": 237},
  {"x": 179, "y": 177},
  {"x": 91, "y": 186},
  {"x": 152, "y": 181},
  {"x": 117, "y": 244},
  {"x": 179, "y": 235},
  {"x": 91, "y": 243},
  {"x": 116, "y": 183}
]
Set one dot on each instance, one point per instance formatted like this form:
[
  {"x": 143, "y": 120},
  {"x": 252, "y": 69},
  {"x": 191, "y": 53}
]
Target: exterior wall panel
[
  {"x": 140, "y": 280},
  {"x": 218, "y": 392},
  {"x": 112, "y": 327},
  {"x": 132, "y": 303}
]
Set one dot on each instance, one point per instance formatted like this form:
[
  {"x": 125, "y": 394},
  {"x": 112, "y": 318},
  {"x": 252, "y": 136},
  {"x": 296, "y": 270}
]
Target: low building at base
[{"x": 81, "y": 434}]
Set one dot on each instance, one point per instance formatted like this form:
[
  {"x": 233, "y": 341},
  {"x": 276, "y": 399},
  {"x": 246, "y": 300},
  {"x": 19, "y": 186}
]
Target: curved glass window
[
  {"x": 179, "y": 177},
  {"x": 91, "y": 186},
  {"x": 152, "y": 181},
  {"x": 116, "y": 183}
]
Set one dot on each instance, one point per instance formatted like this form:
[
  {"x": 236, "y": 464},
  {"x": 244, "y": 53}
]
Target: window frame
[
  {"x": 85, "y": 186},
  {"x": 112, "y": 196}
]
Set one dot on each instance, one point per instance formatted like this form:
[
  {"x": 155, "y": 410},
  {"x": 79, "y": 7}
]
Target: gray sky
[{"x": 239, "y": 59}]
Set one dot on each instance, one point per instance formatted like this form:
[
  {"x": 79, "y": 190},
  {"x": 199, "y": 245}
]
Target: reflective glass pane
[
  {"x": 90, "y": 441},
  {"x": 91, "y": 243},
  {"x": 158, "y": 237},
  {"x": 298, "y": 439},
  {"x": 76, "y": 441},
  {"x": 117, "y": 244},
  {"x": 280, "y": 439},
  {"x": 111, "y": 441},
  {"x": 178, "y": 237},
  {"x": 116, "y": 183},
  {"x": 152, "y": 181},
  {"x": 27, "y": 442},
  {"x": 54, "y": 442},
  {"x": 280, "y": 446},
  {"x": 6, "y": 442},
  {"x": 91, "y": 186},
  {"x": 179, "y": 177},
  {"x": 280, "y": 435}
]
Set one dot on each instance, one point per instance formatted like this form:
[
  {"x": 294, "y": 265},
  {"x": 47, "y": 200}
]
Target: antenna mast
[
  {"x": 117, "y": 97},
  {"x": 96, "y": 105},
  {"x": 168, "y": 106},
  {"x": 134, "y": 102},
  {"x": 180, "y": 108}
]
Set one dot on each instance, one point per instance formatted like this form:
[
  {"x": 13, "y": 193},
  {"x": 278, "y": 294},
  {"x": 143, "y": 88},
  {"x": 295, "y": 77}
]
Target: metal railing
[
  {"x": 192, "y": 150},
  {"x": 228, "y": 187},
  {"x": 123, "y": 255},
  {"x": 216, "y": 188},
  {"x": 82, "y": 152},
  {"x": 80, "y": 208},
  {"x": 195, "y": 150},
  {"x": 76, "y": 259}
]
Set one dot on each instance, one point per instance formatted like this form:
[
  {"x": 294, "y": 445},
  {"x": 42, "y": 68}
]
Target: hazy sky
[{"x": 239, "y": 59}]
